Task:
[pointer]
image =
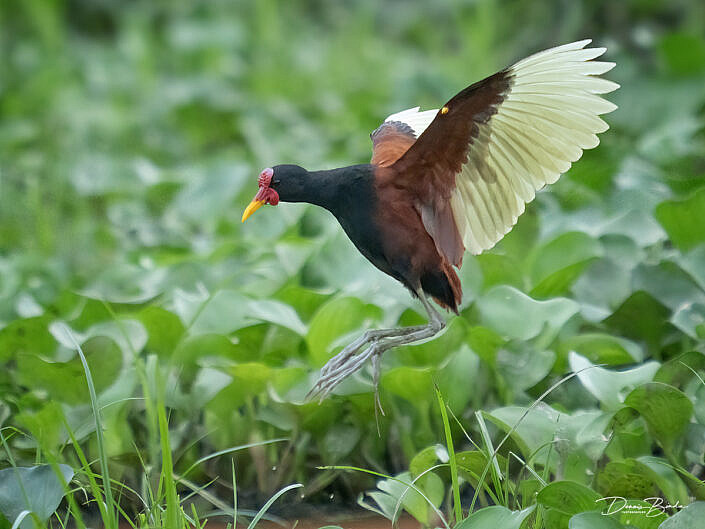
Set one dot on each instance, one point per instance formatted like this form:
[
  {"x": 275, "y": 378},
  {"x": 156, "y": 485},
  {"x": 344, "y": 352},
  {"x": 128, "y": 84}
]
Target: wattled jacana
[{"x": 444, "y": 181}]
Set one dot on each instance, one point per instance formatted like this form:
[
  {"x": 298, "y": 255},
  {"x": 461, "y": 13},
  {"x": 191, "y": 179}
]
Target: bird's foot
[{"x": 343, "y": 365}]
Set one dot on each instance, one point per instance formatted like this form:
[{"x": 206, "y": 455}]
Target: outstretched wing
[
  {"x": 398, "y": 132},
  {"x": 493, "y": 145}
]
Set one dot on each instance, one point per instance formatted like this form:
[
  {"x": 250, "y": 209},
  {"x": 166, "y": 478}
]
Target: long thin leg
[{"x": 348, "y": 362}]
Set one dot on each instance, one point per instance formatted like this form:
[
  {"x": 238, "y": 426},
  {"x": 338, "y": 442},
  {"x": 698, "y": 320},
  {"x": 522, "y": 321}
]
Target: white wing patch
[
  {"x": 418, "y": 121},
  {"x": 548, "y": 117}
]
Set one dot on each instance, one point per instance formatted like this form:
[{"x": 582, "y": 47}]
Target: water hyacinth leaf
[
  {"x": 413, "y": 502},
  {"x": 683, "y": 221},
  {"x": 689, "y": 518},
  {"x": 568, "y": 497},
  {"x": 669, "y": 284},
  {"x": 627, "y": 478},
  {"x": 457, "y": 378},
  {"x": 694, "y": 264},
  {"x": 35, "y": 489},
  {"x": 126, "y": 283},
  {"x": 66, "y": 381},
  {"x": 415, "y": 384},
  {"x": 666, "y": 410},
  {"x": 496, "y": 516},
  {"x": 638, "y": 513},
  {"x": 498, "y": 269},
  {"x": 512, "y": 313},
  {"x": 558, "y": 263},
  {"x": 690, "y": 318},
  {"x": 608, "y": 386},
  {"x": 164, "y": 330},
  {"x": 602, "y": 348},
  {"x": 426, "y": 458},
  {"x": 29, "y": 335},
  {"x": 472, "y": 464},
  {"x": 666, "y": 478},
  {"x": 532, "y": 429},
  {"x": 339, "y": 441},
  {"x": 641, "y": 318},
  {"x": 334, "y": 319},
  {"x": 593, "y": 520},
  {"x": 523, "y": 366}
]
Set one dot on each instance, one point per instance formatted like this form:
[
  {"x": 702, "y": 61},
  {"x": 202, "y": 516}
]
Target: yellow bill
[{"x": 251, "y": 208}]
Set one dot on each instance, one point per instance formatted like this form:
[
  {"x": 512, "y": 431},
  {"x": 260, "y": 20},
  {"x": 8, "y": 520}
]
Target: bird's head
[{"x": 283, "y": 182}]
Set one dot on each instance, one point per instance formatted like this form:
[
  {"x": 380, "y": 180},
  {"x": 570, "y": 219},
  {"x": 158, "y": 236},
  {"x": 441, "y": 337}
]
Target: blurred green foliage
[{"x": 131, "y": 135}]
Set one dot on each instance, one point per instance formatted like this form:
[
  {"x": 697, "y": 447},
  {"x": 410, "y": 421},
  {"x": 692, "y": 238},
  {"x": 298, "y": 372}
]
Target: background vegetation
[{"x": 131, "y": 135}]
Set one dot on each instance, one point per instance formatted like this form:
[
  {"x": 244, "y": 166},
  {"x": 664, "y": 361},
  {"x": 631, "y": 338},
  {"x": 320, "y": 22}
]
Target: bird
[{"x": 445, "y": 181}]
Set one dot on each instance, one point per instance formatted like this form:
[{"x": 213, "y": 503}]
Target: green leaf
[
  {"x": 665, "y": 409},
  {"x": 683, "y": 220},
  {"x": 689, "y": 518},
  {"x": 472, "y": 463},
  {"x": 568, "y": 497},
  {"x": 412, "y": 383},
  {"x": 36, "y": 489},
  {"x": 627, "y": 478},
  {"x": 66, "y": 381},
  {"x": 29, "y": 335},
  {"x": 227, "y": 311},
  {"x": 602, "y": 348},
  {"x": 593, "y": 520},
  {"x": 496, "y": 516},
  {"x": 533, "y": 429},
  {"x": 512, "y": 313},
  {"x": 666, "y": 478},
  {"x": 334, "y": 319},
  {"x": 610, "y": 387},
  {"x": 523, "y": 367},
  {"x": 427, "y": 458},
  {"x": 557, "y": 264},
  {"x": 164, "y": 329},
  {"x": 641, "y": 318},
  {"x": 684, "y": 53}
]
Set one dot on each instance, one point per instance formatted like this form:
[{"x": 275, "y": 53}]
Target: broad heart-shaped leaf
[
  {"x": 227, "y": 311},
  {"x": 496, "y": 516},
  {"x": 472, "y": 464},
  {"x": 568, "y": 497},
  {"x": 36, "y": 489},
  {"x": 689, "y": 518},
  {"x": 415, "y": 384},
  {"x": 413, "y": 502},
  {"x": 66, "y": 381},
  {"x": 683, "y": 220},
  {"x": 593, "y": 520},
  {"x": 334, "y": 319},
  {"x": 512, "y": 313},
  {"x": 602, "y": 348},
  {"x": 607, "y": 386},
  {"x": 642, "y": 318},
  {"x": 29, "y": 335},
  {"x": 666, "y": 410},
  {"x": 164, "y": 329},
  {"x": 532, "y": 429},
  {"x": 666, "y": 478},
  {"x": 557, "y": 264},
  {"x": 627, "y": 478}
]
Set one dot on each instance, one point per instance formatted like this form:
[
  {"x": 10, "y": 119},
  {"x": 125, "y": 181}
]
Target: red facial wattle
[{"x": 265, "y": 195}]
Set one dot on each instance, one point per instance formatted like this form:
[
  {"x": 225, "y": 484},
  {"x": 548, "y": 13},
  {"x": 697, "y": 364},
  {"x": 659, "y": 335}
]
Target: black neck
[{"x": 334, "y": 189}]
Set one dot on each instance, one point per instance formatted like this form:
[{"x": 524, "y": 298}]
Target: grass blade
[
  {"x": 269, "y": 503},
  {"x": 110, "y": 521},
  {"x": 457, "y": 508}
]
